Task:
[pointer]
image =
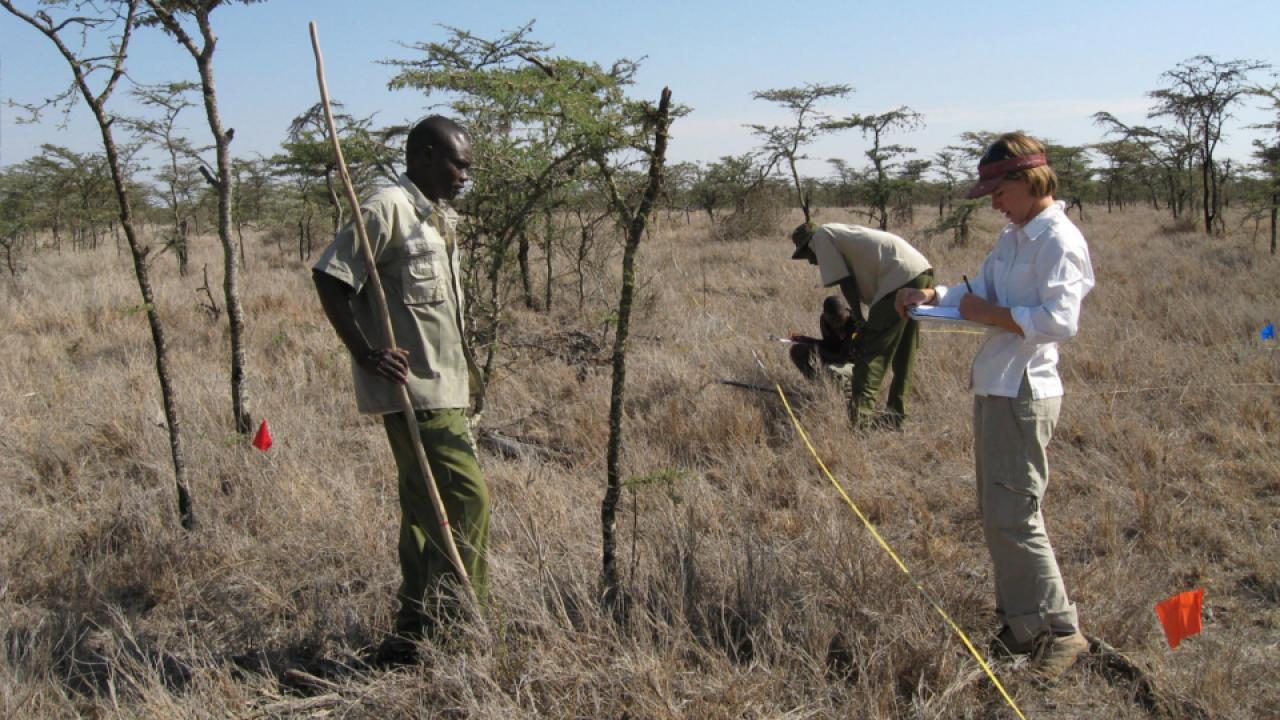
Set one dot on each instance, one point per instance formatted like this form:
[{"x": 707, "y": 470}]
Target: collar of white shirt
[{"x": 1043, "y": 220}]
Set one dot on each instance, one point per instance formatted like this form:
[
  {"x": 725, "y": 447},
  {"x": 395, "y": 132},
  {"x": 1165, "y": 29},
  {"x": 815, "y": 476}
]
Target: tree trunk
[
  {"x": 184, "y": 231},
  {"x": 502, "y": 244},
  {"x": 240, "y": 241},
  {"x": 203, "y": 57},
  {"x": 333, "y": 201},
  {"x": 547, "y": 246},
  {"x": 526, "y": 283},
  {"x": 8, "y": 257},
  {"x": 1275, "y": 207},
  {"x": 231, "y": 268},
  {"x": 584, "y": 243},
  {"x": 635, "y": 231},
  {"x": 1205, "y": 172}
]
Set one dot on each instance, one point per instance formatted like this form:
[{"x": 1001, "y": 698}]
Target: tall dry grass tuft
[{"x": 752, "y": 590}]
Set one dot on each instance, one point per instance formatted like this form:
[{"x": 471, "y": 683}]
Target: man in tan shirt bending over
[{"x": 870, "y": 266}]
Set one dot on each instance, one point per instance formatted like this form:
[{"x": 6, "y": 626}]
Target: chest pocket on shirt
[
  {"x": 424, "y": 277},
  {"x": 1014, "y": 277},
  {"x": 1021, "y": 287}
]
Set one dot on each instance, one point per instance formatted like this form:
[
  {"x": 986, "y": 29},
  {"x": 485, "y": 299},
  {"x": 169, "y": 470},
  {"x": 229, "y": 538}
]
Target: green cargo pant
[
  {"x": 425, "y": 595},
  {"x": 886, "y": 341}
]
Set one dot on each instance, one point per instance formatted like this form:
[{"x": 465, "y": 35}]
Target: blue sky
[{"x": 1044, "y": 67}]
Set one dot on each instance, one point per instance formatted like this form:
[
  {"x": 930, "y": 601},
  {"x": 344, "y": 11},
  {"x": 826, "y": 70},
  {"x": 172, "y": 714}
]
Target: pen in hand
[{"x": 966, "y": 283}]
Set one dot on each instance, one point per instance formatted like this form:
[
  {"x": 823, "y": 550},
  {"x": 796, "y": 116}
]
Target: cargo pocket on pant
[
  {"x": 1010, "y": 512},
  {"x": 1021, "y": 495},
  {"x": 423, "y": 279}
]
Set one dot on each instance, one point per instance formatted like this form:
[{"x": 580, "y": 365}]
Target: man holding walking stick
[{"x": 412, "y": 234}]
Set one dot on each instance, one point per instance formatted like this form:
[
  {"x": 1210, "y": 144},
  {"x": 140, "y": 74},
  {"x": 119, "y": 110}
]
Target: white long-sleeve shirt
[{"x": 1041, "y": 272}]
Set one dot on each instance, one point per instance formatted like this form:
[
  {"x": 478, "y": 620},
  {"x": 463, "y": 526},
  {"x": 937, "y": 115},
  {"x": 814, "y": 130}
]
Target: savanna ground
[{"x": 755, "y": 592}]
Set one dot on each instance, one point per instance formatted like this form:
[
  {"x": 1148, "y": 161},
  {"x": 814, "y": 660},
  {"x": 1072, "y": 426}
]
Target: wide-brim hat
[{"x": 992, "y": 170}]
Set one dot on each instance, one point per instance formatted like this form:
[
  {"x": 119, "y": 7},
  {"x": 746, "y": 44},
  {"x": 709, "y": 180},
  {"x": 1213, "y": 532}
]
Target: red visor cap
[{"x": 990, "y": 174}]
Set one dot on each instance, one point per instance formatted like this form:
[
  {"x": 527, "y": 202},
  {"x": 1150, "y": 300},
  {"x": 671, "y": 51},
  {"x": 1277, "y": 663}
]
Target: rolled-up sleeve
[
  {"x": 830, "y": 262},
  {"x": 1065, "y": 276},
  {"x": 343, "y": 258}
]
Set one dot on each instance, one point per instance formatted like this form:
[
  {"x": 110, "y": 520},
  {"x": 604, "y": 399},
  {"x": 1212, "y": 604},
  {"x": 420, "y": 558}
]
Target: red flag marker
[
  {"x": 262, "y": 440},
  {"x": 1180, "y": 615}
]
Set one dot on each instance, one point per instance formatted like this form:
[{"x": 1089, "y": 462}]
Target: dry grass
[{"x": 756, "y": 594}]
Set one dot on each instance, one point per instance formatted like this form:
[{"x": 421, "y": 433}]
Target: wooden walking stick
[{"x": 388, "y": 334}]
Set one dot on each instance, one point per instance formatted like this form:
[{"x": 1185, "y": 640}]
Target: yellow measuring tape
[
  {"x": 960, "y": 332},
  {"x": 901, "y": 566}
]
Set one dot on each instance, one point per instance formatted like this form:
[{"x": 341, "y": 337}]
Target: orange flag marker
[
  {"x": 1180, "y": 615},
  {"x": 262, "y": 440}
]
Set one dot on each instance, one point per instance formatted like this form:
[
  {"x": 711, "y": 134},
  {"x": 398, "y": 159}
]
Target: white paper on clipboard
[{"x": 947, "y": 315}]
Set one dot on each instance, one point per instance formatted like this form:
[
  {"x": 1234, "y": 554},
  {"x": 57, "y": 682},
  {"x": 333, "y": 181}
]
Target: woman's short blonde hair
[{"x": 1043, "y": 180}]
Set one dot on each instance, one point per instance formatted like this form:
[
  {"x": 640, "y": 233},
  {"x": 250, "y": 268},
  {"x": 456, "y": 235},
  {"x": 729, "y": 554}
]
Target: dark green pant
[
  {"x": 424, "y": 565},
  {"x": 885, "y": 342}
]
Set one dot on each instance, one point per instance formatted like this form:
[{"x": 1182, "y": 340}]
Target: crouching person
[{"x": 835, "y": 348}]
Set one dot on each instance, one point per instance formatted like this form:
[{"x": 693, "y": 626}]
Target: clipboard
[{"x": 942, "y": 315}]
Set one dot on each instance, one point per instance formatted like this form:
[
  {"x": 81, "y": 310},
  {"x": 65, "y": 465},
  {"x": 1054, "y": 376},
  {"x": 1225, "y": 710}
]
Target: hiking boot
[
  {"x": 1005, "y": 645},
  {"x": 1057, "y": 656},
  {"x": 395, "y": 651}
]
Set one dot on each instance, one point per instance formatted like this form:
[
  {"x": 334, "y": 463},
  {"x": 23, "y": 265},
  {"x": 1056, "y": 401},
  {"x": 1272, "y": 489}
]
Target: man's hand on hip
[{"x": 389, "y": 363}]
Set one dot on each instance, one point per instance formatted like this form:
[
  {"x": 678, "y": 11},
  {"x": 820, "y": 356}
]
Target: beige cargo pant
[{"x": 1010, "y": 436}]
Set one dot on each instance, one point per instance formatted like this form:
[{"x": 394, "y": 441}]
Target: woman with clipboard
[{"x": 1028, "y": 294}]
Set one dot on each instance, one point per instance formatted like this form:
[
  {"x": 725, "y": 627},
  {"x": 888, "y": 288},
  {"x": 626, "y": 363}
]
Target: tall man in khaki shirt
[
  {"x": 869, "y": 266},
  {"x": 414, "y": 244}
]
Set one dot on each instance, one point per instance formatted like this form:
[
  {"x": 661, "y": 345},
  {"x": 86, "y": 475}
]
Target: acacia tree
[
  {"x": 906, "y": 185},
  {"x": 172, "y": 15},
  {"x": 117, "y": 23},
  {"x": 590, "y": 216},
  {"x": 308, "y": 153},
  {"x": 846, "y": 182},
  {"x": 1170, "y": 149},
  {"x": 1124, "y": 169},
  {"x": 536, "y": 119},
  {"x": 80, "y": 195},
  {"x": 677, "y": 189},
  {"x": 946, "y": 164},
  {"x": 1200, "y": 94},
  {"x": 16, "y": 208},
  {"x": 728, "y": 182},
  {"x": 784, "y": 142},
  {"x": 254, "y": 194},
  {"x": 882, "y": 157},
  {"x": 179, "y": 176},
  {"x": 961, "y": 217},
  {"x": 740, "y": 183},
  {"x": 1071, "y": 164},
  {"x": 1267, "y": 153},
  {"x": 303, "y": 192},
  {"x": 637, "y": 124}
]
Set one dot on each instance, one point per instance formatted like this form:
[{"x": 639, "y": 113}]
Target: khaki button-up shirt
[
  {"x": 415, "y": 250},
  {"x": 879, "y": 262}
]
